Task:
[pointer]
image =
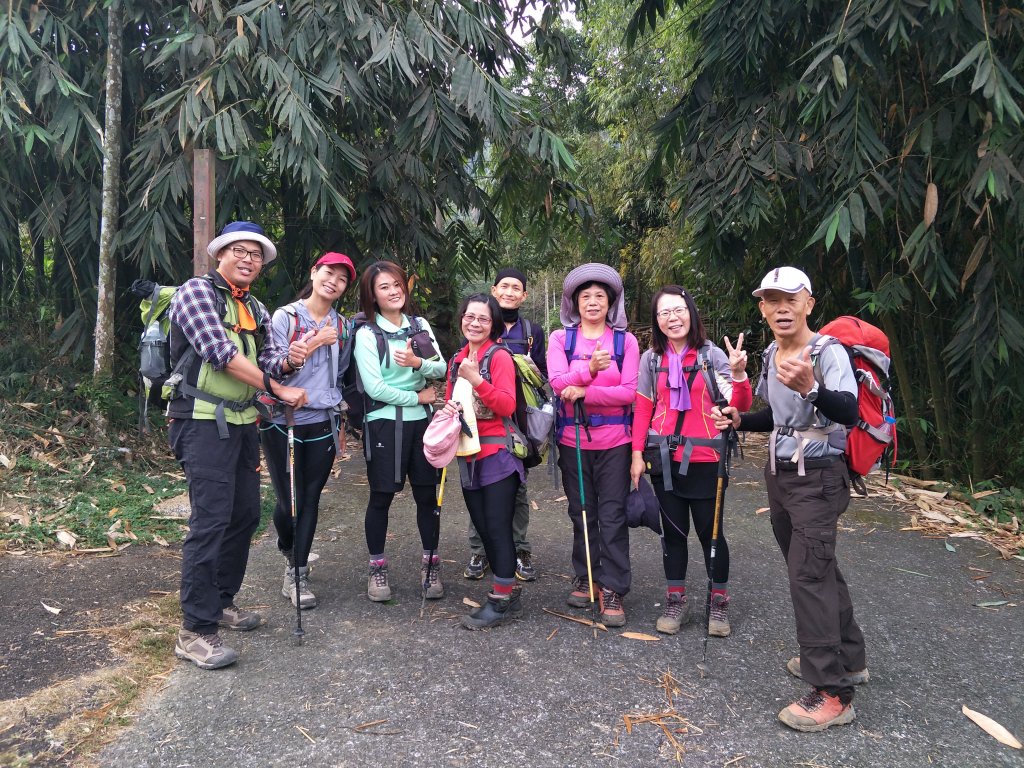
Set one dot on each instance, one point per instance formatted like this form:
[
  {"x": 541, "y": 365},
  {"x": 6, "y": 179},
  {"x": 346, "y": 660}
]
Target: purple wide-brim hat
[{"x": 569, "y": 313}]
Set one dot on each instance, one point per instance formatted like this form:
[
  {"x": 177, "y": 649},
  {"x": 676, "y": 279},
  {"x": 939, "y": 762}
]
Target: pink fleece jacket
[{"x": 608, "y": 393}]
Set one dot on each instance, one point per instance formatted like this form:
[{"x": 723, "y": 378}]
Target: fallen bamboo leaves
[{"x": 991, "y": 727}]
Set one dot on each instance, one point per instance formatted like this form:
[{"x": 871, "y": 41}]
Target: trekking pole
[
  {"x": 723, "y": 461},
  {"x": 580, "y": 417},
  {"x": 289, "y": 414},
  {"x": 437, "y": 535}
]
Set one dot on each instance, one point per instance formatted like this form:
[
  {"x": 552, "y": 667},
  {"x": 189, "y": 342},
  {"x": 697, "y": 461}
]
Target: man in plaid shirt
[{"x": 223, "y": 353}]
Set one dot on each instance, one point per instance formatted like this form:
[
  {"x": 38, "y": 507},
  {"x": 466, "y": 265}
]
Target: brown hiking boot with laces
[
  {"x": 431, "y": 583},
  {"x": 816, "y": 711},
  {"x": 580, "y": 595},
  {"x": 674, "y": 614},
  {"x": 612, "y": 612},
  {"x": 718, "y": 623},
  {"x": 237, "y": 620},
  {"x": 205, "y": 651},
  {"x": 377, "y": 587}
]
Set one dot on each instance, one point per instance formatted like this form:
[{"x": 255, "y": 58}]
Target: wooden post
[{"x": 204, "y": 220}]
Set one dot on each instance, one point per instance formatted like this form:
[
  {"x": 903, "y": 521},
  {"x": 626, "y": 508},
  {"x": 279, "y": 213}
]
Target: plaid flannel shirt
[{"x": 194, "y": 309}]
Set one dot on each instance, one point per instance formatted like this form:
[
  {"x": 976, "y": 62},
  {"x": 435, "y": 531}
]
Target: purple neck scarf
[{"x": 679, "y": 393}]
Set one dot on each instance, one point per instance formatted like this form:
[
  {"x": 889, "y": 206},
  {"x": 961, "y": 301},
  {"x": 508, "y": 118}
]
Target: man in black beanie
[{"x": 521, "y": 336}]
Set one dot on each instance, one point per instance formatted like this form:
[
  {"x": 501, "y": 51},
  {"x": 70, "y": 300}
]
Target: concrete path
[{"x": 374, "y": 685}]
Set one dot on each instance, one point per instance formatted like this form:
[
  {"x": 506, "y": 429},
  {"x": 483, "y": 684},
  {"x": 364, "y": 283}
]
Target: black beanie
[{"x": 510, "y": 272}]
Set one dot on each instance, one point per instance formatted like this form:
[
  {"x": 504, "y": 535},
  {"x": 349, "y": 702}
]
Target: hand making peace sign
[{"x": 737, "y": 358}]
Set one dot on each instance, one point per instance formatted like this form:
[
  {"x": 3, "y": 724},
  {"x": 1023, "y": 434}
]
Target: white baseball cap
[{"x": 786, "y": 279}]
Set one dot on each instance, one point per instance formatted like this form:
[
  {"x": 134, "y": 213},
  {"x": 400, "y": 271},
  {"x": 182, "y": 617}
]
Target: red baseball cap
[{"x": 331, "y": 258}]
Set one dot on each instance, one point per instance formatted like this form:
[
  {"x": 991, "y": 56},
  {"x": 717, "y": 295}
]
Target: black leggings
[
  {"x": 314, "y": 457},
  {"x": 376, "y": 522},
  {"x": 675, "y": 522},
  {"x": 491, "y": 509}
]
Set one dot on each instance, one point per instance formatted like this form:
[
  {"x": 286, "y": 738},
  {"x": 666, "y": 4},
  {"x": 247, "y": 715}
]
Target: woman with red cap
[{"x": 313, "y": 319}]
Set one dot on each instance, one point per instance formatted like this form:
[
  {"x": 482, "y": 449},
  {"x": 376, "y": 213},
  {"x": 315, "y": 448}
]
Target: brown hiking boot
[
  {"x": 377, "y": 588},
  {"x": 612, "y": 613},
  {"x": 205, "y": 651},
  {"x": 237, "y": 620},
  {"x": 816, "y": 711},
  {"x": 674, "y": 614},
  {"x": 580, "y": 595},
  {"x": 718, "y": 623},
  {"x": 855, "y": 678},
  {"x": 434, "y": 588}
]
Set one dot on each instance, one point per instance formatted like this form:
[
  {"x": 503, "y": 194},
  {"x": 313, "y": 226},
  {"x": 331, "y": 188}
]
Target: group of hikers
[{"x": 667, "y": 413}]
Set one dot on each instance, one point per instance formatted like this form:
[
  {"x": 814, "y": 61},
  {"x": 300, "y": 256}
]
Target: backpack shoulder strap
[
  {"x": 153, "y": 299},
  {"x": 293, "y": 313},
  {"x": 570, "y": 342},
  {"x": 707, "y": 365},
  {"x": 619, "y": 346},
  {"x": 528, "y": 331}
]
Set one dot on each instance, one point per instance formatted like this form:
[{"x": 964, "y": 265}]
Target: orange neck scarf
[{"x": 245, "y": 319}]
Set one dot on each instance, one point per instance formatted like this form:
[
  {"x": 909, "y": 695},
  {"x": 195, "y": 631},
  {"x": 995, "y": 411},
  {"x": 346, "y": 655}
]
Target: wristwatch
[{"x": 813, "y": 394}]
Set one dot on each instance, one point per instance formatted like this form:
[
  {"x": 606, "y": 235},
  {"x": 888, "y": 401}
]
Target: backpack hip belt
[
  {"x": 667, "y": 445},
  {"x": 231, "y": 405},
  {"x": 803, "y": 437}
]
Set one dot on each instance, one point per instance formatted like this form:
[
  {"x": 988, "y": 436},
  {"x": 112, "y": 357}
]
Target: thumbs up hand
[
  {"x": 600, "y": 360},
  {"x": 299, "y": 349},
  {"x": 327, "y": 336},
  {"x": 796, "y": 373},
  {"x": 405, "y": 356}
]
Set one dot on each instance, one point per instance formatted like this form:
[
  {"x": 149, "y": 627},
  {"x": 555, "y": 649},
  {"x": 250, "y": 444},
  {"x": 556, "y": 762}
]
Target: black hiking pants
[
  {"x": 605, "y": 486},
  {"x": 491, "y": 510},
  {"x": 224, "y": 493},
  {"x": 805, "y": 514},
  {"x": 314, "y": 457}
]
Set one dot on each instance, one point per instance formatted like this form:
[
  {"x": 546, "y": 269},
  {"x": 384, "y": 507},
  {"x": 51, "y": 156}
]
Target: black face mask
[{"x": 510, "y": 315}]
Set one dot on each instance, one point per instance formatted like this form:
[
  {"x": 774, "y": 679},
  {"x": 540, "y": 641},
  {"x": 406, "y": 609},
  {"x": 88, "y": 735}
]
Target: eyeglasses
[
  {"x": 256, "y": 257},
  {"x": 665, "y": 314},
  {"x": 480, "y": 319}
]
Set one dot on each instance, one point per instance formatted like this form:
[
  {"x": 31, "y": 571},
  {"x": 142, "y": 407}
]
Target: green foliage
[{"x": 877, "y": 145}]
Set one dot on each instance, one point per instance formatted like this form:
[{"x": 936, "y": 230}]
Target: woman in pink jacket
[
  {"x": 594, "y": 359},
  {"x": 682, "y": 377}
]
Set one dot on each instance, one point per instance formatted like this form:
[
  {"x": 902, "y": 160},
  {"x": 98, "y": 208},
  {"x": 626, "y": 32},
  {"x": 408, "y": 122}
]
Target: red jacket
[{"x": 498, "y": 394}]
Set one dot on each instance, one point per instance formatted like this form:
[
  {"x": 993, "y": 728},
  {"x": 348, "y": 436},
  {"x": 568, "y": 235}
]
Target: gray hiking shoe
[
  {"x": 205, "y": 651},
  {"x": 237, "y": 620},
  {"x": 718, "y": 624},
  {"x": 855, "y": 678},
  {"x": 524, "y": 566},
  {"x": 306, "y": 598},
  {"x": 674, "y": 614},
  {"x": 476, "y": 568},
  {"x": 434, "y": 588},
  {"x": 377, "y": 588}
]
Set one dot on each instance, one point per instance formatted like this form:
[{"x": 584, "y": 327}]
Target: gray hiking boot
[
  {"x": 377, "y": 588},
  {"x": 306, "y": 598},
  {"x": 855, "y": 678},
  {"x": 205, "y": 651},
  {"x": 476, "y": 567},
  {"x": 237, "y": 620},
  {"x": 718, "y": 624},
  {"x": 674, "y": 614},
  {"x": 432, "y": 583}
]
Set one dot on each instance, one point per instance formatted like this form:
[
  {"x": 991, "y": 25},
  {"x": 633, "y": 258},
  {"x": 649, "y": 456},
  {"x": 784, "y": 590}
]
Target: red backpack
[
  {"x": 868, "y": 348},
  {"x": 875, "y": 432}
]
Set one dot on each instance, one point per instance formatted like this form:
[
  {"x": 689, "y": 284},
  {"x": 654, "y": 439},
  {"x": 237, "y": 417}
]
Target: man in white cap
[
  {"x": 811, "y": 393},
  {"x": 222, "y": 354}
]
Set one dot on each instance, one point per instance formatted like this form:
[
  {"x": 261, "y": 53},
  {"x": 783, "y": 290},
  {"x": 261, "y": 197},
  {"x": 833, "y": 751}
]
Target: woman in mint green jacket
[{"x": 395, "y": 354}]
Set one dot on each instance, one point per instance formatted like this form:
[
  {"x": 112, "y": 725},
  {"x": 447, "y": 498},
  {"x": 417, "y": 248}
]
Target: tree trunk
[
  {"x": 936, "y": 382},
  {"x": 103, "y": 360}
]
